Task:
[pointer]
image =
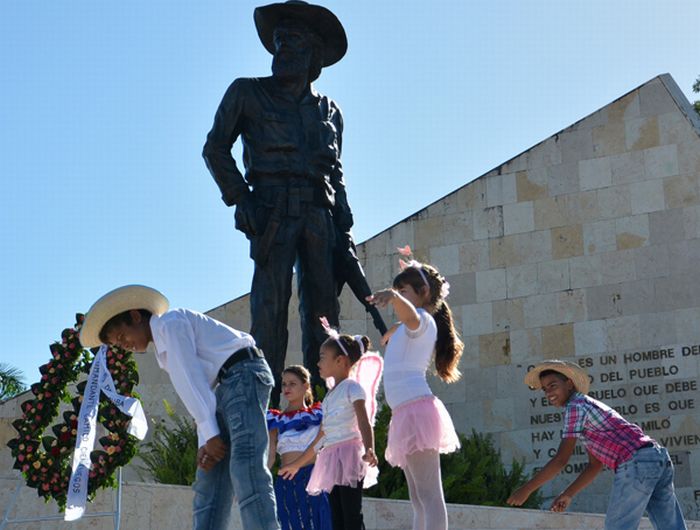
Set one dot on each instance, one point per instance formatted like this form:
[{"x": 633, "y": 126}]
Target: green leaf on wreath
[{"x": 46, "y": 442}]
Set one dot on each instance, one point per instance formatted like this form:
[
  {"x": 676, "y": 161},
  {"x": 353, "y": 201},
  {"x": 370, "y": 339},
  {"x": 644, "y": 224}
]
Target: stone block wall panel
[{"x": 585, "y": 247}]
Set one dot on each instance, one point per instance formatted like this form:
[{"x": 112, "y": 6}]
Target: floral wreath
[{"x": 45, "y": 461}]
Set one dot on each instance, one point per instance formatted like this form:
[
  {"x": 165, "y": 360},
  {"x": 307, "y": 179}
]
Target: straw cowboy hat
[
  {"x": 319, "y": 19},
  {"x": 571, "y": 370},
  {"x": 114, "y": 302}
]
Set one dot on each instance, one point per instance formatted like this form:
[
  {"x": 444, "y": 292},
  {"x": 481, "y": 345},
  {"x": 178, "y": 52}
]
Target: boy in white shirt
[{"x": 225, "y": 383}]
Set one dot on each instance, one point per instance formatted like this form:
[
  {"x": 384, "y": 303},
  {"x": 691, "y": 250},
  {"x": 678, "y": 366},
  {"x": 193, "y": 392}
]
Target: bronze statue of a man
[{"x": 291, "y": 202}]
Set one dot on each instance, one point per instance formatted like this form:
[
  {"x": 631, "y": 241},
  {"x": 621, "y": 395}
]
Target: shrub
[
  {"x": 475, "y": 474},
  {"x": 171, "y": 455}
]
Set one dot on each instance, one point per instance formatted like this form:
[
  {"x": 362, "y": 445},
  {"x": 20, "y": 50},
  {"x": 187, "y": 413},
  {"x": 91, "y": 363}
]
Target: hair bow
[
  {"x": 412, "y": 263},
  {"x": 333, "y": 334},
  {"x": 403, "y": 265}
]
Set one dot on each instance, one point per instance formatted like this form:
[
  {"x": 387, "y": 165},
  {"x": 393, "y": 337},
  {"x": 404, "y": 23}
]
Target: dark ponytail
[{"x": 449, "y": 347}]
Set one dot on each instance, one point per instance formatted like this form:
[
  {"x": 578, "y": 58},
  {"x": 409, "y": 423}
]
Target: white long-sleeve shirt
[{"x": 192, "y": 347}]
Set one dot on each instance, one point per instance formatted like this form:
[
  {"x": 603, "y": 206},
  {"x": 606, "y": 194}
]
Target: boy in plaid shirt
[{"x": 643, "y": 469}]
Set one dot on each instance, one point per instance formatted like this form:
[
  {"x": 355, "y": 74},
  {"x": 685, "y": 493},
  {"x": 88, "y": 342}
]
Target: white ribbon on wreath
[{"x": 99, "y": 380}]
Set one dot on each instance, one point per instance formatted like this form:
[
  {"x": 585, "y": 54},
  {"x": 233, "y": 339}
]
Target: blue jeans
[
  {"x": 241, "y": 403},
  {"x": 644, "y": 482}
]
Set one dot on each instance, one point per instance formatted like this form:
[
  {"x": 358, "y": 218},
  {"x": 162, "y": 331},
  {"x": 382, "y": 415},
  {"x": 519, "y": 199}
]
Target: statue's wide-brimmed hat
[
  {"x": 571, "y": 370},
  {"x": 319, "y": 19},
  {"x": 114, "y": 302}
]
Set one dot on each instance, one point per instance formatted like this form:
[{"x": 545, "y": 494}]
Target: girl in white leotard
[{"x": 421, "y": 427}]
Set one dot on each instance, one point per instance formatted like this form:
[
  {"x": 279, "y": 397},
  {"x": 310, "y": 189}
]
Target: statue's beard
[{"x": 290, "y": 64}]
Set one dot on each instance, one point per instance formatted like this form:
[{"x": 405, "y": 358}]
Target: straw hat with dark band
[
  {"x": 114, "y": 302},
  {"x": 571, "y": 370}
]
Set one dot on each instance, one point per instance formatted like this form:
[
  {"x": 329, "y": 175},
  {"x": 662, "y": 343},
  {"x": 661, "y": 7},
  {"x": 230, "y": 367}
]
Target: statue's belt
[
  {"x": 291, "y": 198},
  {"x": 267, "y": 180},
  {"x": 289, "y": 201}
]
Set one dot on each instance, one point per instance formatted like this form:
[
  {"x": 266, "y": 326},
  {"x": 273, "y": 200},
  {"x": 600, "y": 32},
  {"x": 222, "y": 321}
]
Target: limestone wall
[
  {"x": 158, "y": 507},
  {"x": 584, "y": 247}
]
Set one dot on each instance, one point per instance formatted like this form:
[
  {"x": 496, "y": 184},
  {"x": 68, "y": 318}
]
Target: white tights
[{"x": 425, "y": 490}]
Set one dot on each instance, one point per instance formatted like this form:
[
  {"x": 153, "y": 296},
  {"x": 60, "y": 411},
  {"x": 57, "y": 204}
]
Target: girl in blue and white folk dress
[{"x": 291, "y": 432}]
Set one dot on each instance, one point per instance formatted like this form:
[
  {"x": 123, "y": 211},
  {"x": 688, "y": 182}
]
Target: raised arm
[{"x": 405, "y": 310}]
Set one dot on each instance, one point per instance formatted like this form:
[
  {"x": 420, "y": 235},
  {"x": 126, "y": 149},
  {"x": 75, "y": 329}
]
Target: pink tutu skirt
[
  {"x": 341, "y": 464},
  {"x": 418, "y": 425}
]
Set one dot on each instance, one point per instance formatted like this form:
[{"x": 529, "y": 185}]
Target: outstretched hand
[
  {"x": 382, "y": 298},
  {"x": 518, "y": 497}
]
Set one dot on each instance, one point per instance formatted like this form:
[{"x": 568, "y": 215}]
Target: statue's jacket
[{"x": 286, "y": 142}]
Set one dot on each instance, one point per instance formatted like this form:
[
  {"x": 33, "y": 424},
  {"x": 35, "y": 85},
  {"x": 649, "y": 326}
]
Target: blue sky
[{"x": 104, "y": 107}]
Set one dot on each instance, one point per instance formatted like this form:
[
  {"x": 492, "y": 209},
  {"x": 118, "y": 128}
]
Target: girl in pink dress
[{"x": 421, "y": 427}]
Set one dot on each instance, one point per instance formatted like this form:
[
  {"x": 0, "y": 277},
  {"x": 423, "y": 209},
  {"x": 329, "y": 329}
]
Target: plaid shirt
[{"x": 605, "y": 434}]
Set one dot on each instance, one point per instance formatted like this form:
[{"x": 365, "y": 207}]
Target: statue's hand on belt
[{"x": 245, "y": 216}]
